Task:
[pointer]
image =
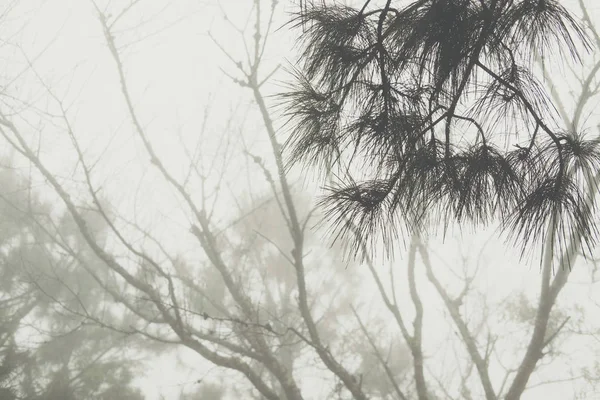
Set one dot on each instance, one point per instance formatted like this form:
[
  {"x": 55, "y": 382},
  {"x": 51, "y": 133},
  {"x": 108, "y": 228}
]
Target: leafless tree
[{"x": 258, "y": 295}]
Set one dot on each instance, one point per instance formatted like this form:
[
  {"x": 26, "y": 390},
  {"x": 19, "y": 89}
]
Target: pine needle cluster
[{"x": 421, "y": 99}]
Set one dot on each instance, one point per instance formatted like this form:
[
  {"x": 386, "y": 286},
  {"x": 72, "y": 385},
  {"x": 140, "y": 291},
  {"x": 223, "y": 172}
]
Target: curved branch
[{"x": 467, "y": 337}]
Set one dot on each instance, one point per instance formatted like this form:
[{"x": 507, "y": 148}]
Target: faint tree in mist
[{"x": 46, "y": 352}]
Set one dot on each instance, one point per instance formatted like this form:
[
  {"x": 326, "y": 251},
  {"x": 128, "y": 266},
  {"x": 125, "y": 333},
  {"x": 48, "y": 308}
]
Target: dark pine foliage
[{"x": 429, "y": 112}]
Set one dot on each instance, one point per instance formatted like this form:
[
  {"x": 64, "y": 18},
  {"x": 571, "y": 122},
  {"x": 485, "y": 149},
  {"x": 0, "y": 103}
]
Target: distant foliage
[
  {"x": 436, "y": 104},
  {"x": 45, "y": 352}
]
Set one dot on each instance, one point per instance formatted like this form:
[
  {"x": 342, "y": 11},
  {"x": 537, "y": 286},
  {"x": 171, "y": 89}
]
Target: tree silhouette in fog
[
  {"x": 431, "y": 112},
  {"x": 228, "y": 271},
  {"x": 47, "y": 351}
]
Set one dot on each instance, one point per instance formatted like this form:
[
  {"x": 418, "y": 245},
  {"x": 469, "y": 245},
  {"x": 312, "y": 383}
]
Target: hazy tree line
[{"x": 88, "y": 290}]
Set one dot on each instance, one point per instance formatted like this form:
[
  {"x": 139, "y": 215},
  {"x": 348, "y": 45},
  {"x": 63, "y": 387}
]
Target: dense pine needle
[{"x": 419, "y": 102}]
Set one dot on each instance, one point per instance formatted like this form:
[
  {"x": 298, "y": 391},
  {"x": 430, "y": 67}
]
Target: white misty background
[{"x": 150, "y": 235}]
